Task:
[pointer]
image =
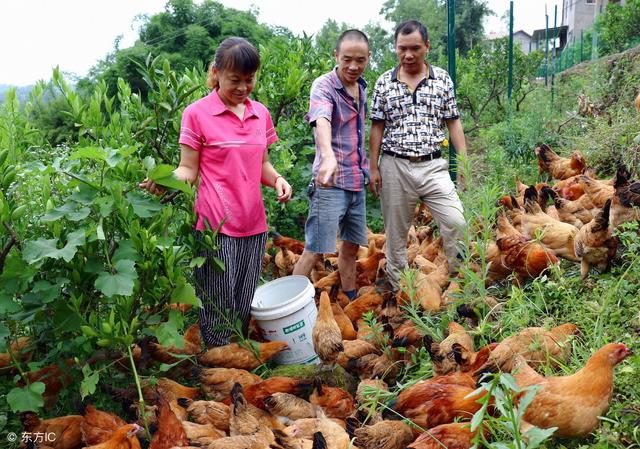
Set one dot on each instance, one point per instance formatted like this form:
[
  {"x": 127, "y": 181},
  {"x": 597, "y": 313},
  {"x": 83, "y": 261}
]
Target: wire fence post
[
  {"x": 546, "y": 47},
  {"x": 581, "y": 44},
  {"x": 451, "y": 50},
  {"x": 553, "y": 53},
  {"x": 510, "y": 78}
]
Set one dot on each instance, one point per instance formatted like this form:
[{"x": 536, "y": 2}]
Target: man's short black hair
[
  {"x": 351, "y": 35},
  {"x": 409, "y": 27}
]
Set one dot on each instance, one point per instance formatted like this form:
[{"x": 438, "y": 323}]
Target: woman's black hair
[{"x": 236, "y": 54}]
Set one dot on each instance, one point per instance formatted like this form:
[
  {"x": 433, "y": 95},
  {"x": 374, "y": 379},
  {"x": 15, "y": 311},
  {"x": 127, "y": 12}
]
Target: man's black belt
[{"x": 424, "y": 157}]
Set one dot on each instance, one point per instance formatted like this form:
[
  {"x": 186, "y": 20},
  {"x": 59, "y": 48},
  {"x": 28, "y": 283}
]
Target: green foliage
[
  {"x": 433, "y": 14},
  {"x": 482, "y": 82},
  {"x": 618, "y": 26}
]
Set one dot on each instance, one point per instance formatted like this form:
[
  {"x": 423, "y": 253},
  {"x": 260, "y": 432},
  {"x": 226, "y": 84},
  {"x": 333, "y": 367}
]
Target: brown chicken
[
  {"x": 362, "y": 304},
  {"x": 207, "y": 412},
  {"x": 428, "y": 404},
  {"x": 289, "y": 243},
  {"x": 428, "y": 288},
  {"x": 289, "y": 406},
  {"x": 54, "y": 378},
  {"x": 524, "y": 257},
  {"x": 326, "y": 335},
  {"x": 247, "y": 419},
  {"x": 595, "y": 244},
  {"x": 336, "y": 402},
  {"x": 442, "y": 356},
  {"x": 235, "y": 356},
  {"x": 123, "y": 438},
  {"x": 625, "y": 204},
  {"x": 535, "y": 344},
  {"x": 66, "y": 429},
  {"x": 377, "y": 239},
  {"x": 553, "y": 234},
  {"x": 357, "y": 348},
  {"x": 368, "y": 268},
  {"x": 172, "y": 390},
  {"x": 384, "y": 435},
  {"x": 166, "y": 354},
  {"x": 201, "y": 433},
  {"x": 345, "y": 324},
  {"x": 256, "y": 393},
  {"x": 576, "y": 213},
  {"x": 98, "y": 426},
  {"x": 218, "y": 382},
  {"x": 599, "y": 191},
  {"x": 456, "y": 435},
  {"x": 572, "y": 403},
  {"x": 559, "y": 167},
  {"x": 285, "y": 261},
  {"x": 17, "y": 348},
  {"x": 336, "y": 437},
  {"x": 572, "y": 192},
  {"x": 406, "y": 334},
  {"x": 170, "y": 432},
  {"x": 469, "y": 362}
]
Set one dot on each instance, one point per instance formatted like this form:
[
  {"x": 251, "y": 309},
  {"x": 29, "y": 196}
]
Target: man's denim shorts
[{"x": 332, "y": 210}]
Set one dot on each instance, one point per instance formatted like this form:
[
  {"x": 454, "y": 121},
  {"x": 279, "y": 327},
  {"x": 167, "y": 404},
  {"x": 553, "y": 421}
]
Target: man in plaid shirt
[
  {"x": 412, "y": 103},
  {"x": 337, "y": 191}
]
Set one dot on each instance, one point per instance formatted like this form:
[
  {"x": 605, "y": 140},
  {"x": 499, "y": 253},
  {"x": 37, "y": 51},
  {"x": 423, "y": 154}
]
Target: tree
[{"x": 433, "y": 14}]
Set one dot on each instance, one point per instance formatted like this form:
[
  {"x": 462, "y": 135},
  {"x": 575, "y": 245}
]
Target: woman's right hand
[{"x": 152, "y": 187}]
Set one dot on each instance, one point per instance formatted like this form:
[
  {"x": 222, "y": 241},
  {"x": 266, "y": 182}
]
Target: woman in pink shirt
[{"x": 223, "y": 144}]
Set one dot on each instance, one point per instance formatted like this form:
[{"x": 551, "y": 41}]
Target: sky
[{"x": 37, "y": 35}]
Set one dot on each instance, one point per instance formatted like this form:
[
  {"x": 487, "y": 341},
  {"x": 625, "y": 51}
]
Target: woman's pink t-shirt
[{"x": 231, "y": 154}]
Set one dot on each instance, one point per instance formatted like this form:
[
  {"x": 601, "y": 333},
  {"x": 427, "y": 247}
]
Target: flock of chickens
[{"x": 231, "y": 407}]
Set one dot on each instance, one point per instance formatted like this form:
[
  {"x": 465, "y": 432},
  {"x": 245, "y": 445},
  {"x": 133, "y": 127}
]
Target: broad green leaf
[
  {"x": 197, "y": 262},
  {"x": 85, "y": 195},
  {"x": 526, "y": 400},
  {"x": 46, "y": 291},
  {"x": 509, "y": 382},
  {"x": 478, "y": 417},
  {"x": 160, "y": 171},
  {"x": 37, "y": 250},
  {"x": 7, "y": 304},
  {"x": 125, "y": 250},
  {"x": 120, "y": 283},
  {"x": 536, "y": 436},
  {"x": 68, "y": 210},
  {"x": 100, "y": 230},
  {"x": 88, "y": 384},
  {"x": 143, "y": 206},
  {"x": 163, "y": 175},
  {"x": 105, "y": 204},
  {"x": 185, "y": 294},
  {"x": 167, "y": 332},
  {"x": 173, "y": 183},
  {"x": 93, "y": 153},
  {"x": 26, "y": 399}
]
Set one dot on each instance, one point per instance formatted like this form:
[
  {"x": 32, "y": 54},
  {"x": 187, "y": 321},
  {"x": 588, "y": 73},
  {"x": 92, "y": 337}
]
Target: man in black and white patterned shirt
[{"x": 412, "y": 103}]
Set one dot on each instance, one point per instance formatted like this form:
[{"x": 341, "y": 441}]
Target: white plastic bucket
[{"x": 285, "y": 310}]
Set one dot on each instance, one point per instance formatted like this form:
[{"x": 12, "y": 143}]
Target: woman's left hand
[{"x": 283, "y": 189}]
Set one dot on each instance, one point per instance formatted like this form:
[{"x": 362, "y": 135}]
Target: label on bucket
[{"x": 294, "y": 327}]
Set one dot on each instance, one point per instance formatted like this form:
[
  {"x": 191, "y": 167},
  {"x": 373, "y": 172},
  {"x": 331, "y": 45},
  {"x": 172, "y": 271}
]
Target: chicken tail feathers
[{"x": 318, "y": 441}]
